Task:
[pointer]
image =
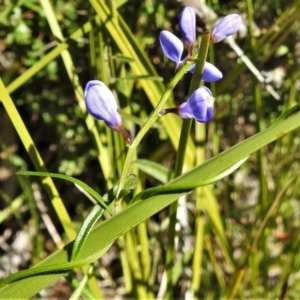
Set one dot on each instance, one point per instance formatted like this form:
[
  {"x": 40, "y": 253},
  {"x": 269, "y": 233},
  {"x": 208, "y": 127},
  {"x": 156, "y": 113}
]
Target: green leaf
[
  {"x": 85, "y": 229},
  {"x": 190, "y": 184},
  {"x": 122, "y": 58},
  {"x": 130, "y": 183},
  {"x": 153, "y": 169},
  {"x": 141, "y": 77},
  {"x": 286, "y": 114},
  {"x": 78, "y": 182},
  {"x": 97, "y": 212}
]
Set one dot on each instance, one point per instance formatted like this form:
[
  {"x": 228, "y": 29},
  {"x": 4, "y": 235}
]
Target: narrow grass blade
[
  {"x": 78, "y": 182},
  {"x": 153, "y": 169},
  {"x": 85, "y": 229},
  {"x": 190, "y": 184},
  {"x": 37, "y": 161},
  {"x": 96, "y": 214}
]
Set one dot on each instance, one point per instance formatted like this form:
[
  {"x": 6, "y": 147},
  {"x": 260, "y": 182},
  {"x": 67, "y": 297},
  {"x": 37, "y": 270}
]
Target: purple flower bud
[
  {"x": 210, "y": 73},
  {"x": 199, "y": 106},
  {"x": 101, "y": 104},
  {"x": 171, "y": 45},
  {"x": 187, "y": 25},
  {"x": 227, "y": 26}
]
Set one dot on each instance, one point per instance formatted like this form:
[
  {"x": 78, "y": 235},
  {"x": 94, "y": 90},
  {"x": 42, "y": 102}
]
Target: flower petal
[
  {"x": 101, "y": 103},
  {"x": 199, "y": 105},
  {"x": 185, "y": 111},
  {"x": 187, "y": 25},
  {"x": 171, "y": 46},
  {"x": 227, "y": 26},
  {"x": 210, "y": 73}
]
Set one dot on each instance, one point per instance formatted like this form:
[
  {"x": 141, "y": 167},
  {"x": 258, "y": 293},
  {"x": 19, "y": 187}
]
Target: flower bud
[
  {"x": 227, "y": 26},
  {"x": 210, "y": 72},
  {"x": 187, "y": 26},
  {"x": 199, "y": 106},
  {"x": 101, "y": 104},
  {"x": 171, "y": 46}
]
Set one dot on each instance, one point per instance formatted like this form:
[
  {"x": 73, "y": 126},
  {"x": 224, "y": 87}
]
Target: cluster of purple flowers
[
  {"x": 101, "y": 103},
  {"x": 200, "y": 104}
]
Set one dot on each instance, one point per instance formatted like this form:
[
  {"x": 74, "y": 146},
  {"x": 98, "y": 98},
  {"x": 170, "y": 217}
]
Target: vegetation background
[{"x": 237, "y": 238}]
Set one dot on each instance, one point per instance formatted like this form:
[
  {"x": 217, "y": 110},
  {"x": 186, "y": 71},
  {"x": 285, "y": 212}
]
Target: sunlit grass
[{"x": 235, "y": 234}]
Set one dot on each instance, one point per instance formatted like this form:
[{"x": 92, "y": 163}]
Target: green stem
[
  {"x": 186, "y": 125},
  {"x": 80, "y": 286},
  {"x": 185, "y": 130},
  {"x": 113, "y": 9},
  {"x": 140, "y": 288},
  {"x": 85, "y": 292},
  {"x": 201, "y": 56},
  {"x": 152, "y": 119},
  {"x": 200, "y": 137}
]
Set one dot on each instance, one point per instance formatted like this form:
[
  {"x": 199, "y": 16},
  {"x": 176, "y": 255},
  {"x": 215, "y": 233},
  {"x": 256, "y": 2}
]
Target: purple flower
[
  {"x": 101, "y": 104},
  {"x": 227, "y": 26},
  {"x": 199, "y": 106},
  {"x": 210, "y": 73},
  {"x": 187, "y": 26},
  {"x": 173, "y": 49},
  {"x": 171, "y": 46}
]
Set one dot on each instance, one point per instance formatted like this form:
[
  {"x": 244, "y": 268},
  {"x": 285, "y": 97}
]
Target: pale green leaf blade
[
  {"x": 85, "y": 229},
  {"x": 76, "y": 181},
  {"x": 153, "y": 169}
]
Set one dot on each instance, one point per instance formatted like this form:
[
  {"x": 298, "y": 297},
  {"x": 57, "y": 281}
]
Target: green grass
[{"x": 234, "y": 232}]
